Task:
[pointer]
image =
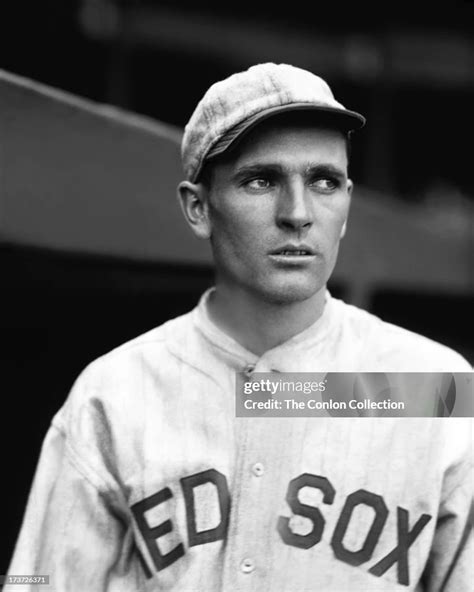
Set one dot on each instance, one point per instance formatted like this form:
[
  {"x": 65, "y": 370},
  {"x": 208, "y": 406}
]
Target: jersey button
[
  {"x": 247, "y": 565},
  {"x": 258, "y": 469},
  {"x": 249, "y": 369}
]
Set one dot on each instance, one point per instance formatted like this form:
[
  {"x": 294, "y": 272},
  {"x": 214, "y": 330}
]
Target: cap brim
[{"x": 342, "y": 119}]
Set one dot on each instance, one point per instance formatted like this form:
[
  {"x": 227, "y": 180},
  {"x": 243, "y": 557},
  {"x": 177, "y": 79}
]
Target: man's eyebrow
[
  {"x": 258, "y": 169},
  {"x": 310, "y": 169},
  {"x": 325, "y": 169}
]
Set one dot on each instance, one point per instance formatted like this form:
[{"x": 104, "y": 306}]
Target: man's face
[{"x": 277, "y": 210}]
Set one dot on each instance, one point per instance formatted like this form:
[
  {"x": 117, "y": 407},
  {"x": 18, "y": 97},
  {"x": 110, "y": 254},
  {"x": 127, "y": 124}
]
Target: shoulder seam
[
  {"x": 81, "y": 466},
  {"x": 85, "y": 470},
  {"x": 75, "y": 459}
]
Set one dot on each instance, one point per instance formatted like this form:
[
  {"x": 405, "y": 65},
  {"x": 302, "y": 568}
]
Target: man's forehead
[{"x": 283, "y": 144}]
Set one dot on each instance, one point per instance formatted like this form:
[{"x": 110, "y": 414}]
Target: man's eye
[
  {"x": 325, "y": 184},
  {"x": 258, "y": 183}
]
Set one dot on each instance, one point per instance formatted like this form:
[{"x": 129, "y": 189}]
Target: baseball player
[{"x": 147, "y": 480}]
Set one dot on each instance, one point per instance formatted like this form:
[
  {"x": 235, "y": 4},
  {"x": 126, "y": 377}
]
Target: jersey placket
[{"x": 263, "y": 464}]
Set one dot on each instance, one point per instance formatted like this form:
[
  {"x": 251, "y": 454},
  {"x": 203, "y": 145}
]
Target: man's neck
[{"x": 259, "y": 325}]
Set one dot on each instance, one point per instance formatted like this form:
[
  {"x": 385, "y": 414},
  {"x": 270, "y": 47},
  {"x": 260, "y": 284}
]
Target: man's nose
[{"x": 294, "y": 210}]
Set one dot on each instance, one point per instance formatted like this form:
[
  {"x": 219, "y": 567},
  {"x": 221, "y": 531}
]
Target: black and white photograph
[{"x": 237, "y": 253}]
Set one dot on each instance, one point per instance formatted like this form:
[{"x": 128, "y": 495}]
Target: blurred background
[{"x": 93, "y": 250}]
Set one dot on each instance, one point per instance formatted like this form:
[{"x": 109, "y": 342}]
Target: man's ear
[
  {"x": 193, "y": 198},
  {"x": 350, "y": 186}
]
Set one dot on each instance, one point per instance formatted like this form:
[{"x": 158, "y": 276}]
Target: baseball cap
[{"x": 233, "y": 106}]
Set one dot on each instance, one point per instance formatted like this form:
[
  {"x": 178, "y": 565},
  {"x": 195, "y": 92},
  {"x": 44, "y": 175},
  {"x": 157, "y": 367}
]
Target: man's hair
[{"x": 296, "y": 117}]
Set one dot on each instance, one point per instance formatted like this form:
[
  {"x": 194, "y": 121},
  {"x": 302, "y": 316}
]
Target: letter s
[{"x": 312, "y": 538}]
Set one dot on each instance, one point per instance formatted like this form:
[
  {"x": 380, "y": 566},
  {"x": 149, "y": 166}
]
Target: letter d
[{"x": 220, "y": 482}]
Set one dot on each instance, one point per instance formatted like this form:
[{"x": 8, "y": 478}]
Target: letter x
[{"x": 406, "y": 538}]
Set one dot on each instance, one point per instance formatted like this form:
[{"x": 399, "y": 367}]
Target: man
[{"x": 148, "y": 481}]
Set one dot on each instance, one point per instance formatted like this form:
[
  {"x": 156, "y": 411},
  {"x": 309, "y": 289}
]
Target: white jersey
[{"x": 147, "y": 480}]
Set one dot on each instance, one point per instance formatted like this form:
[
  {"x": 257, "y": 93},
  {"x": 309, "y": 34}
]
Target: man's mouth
[
  {"x": 293, "y": 251},
  {"x": 291, "y": 256},
  {"x": 288, "y": 253}
]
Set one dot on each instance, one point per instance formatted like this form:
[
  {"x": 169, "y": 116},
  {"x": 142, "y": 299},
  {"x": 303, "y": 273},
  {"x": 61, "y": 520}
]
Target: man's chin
[{"x": 290, "y": 293}]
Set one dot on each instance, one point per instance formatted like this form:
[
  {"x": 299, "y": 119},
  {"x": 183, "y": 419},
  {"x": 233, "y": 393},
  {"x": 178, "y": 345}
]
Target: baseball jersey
[{"x": 147, "y": 480}]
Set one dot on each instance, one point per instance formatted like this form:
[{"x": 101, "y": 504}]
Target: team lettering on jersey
[{"x": 399, "y": 555}]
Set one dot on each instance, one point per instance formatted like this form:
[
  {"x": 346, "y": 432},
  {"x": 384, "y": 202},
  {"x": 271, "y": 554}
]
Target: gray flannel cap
[{"x": 233, "y": 106}]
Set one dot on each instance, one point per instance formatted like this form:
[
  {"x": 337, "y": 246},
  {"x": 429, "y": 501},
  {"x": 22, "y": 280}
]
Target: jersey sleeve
[
  {"x": 75, "y": 529},
  {"x": 450, "y": 568}
]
